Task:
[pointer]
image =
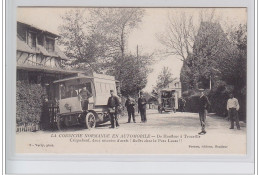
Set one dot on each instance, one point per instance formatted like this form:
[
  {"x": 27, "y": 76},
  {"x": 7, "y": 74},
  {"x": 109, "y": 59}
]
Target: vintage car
[
  {"x": 70, "y": 109},
  {"x": 167, "y": 100}
]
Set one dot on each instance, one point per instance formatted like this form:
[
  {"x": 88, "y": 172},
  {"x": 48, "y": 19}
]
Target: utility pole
[
  {"x": 210, "y": 82},
  {"x": 137, "y": 56}
]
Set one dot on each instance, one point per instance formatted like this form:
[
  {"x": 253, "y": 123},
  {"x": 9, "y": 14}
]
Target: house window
[
  {"x": 31, "y": 39},
  {"x": 50, "y": 44}
]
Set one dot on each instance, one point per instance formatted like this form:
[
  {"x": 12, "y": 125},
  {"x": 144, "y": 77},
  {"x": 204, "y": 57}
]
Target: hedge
[
  {"x": 218, "y": 97},
  {"x": 29, "y": 103}
]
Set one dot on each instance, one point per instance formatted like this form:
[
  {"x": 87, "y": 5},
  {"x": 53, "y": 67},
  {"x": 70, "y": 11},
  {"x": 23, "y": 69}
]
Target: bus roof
[
  {"x": 82, "y": 77},
  {"x": 168, "y": 89}
]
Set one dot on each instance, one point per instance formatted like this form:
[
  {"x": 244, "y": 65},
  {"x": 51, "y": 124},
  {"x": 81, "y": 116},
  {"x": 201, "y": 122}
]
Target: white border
[{"x": 77, "y": 164}]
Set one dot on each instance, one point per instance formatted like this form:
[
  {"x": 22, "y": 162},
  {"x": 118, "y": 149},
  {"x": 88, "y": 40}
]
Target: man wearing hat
[
  {"x": 113, "y": 104},
  {"x": 142, "y": 107},
  {"x": 129, "y": 104},
  {"x": 203, "y": 107}
]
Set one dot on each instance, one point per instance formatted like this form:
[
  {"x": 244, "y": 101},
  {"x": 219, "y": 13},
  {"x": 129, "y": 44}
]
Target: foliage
[
  {"x": 164, "y": 78},
  {"x": 81, "y": 44},
  {"x": 219, "y": 96},
  {"x": 116, "y": 24},
  {"x": 95, "y": 39},
  {"x": 220, "y": 58},
  {"x": 132, "y": 73},
  {"x": 28, "y": 102}
]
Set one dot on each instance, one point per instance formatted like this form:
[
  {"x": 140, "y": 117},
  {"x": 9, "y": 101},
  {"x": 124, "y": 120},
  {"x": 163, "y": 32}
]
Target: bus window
[
  {"x": 111, "y": 87},
  {"x": 103, "y": 88},
  {"x": 107, "y": 88},
  {"x": 88, "y": 86},
  {"x": 98, "y": 87},
  {"x": 63, "y": 91}
]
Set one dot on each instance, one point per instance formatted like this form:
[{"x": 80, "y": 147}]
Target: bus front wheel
[{"x": 90, "y": 120}]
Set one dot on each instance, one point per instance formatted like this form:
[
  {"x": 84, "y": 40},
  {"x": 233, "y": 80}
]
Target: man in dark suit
[
  {"x": 142, "y": 107},
  {"x": 113, "y": 104},
  {"x": 182, "y": 103},
  {"x": 203, "y": 110},
  {"x": 129, "y": 104}
]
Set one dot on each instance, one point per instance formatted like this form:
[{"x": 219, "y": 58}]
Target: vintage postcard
[{"x": 131, "y": 81}]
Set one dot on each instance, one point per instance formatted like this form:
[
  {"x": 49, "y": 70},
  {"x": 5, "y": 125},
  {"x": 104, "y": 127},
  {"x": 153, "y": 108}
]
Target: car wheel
[{"x": 90, "y": 120}]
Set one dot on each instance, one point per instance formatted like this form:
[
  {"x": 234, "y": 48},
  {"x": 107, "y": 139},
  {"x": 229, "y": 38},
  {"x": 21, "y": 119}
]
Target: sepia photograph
[{"x": 135, "y": 81}]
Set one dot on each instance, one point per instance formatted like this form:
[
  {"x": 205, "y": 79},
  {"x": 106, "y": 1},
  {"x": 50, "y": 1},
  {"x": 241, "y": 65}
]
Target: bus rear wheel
[{"x": 90, "y": 120}]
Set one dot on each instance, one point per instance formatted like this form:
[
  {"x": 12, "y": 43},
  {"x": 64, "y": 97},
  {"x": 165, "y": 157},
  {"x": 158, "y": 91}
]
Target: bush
[
  {"x": 192, "y": 103},
  {"x": 28, "y": 102},
  {"x": 218, "y": 97}
]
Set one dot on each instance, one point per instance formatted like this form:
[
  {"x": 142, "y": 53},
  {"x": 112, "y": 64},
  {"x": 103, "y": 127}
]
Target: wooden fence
[{"x": 31, "y": 127}]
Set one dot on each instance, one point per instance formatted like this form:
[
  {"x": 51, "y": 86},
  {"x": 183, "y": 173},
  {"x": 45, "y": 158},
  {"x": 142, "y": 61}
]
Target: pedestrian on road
[
  {"x": 113, "y": 104},
  {"x": 233, "y": 107},
  {"x": 129, "y": 104},
  {"x": 142, "y": 107},
  {"x": 203, "y": 110},
  {"x": 182, "y": 104}
]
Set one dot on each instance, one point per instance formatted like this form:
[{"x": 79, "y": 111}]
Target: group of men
[
  {"x": 232, "y": 108},
  {"x": 113, "y": 104}
]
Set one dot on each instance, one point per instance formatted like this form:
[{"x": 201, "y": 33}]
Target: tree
[
  {"x": 181, "y": 29},
  {"x": 132, "y": 73},
  {"x": 96, "y": 38},
  {"x": 179, "y": 36},
  {"x": 116, "y": 24},
  {"x": 201, "y": 66},
  {"x": 81, "y": 45},
  {"x": 164, "y": 78}
]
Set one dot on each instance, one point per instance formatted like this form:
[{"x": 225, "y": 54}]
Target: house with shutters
[{"x": 39, "y": 59}]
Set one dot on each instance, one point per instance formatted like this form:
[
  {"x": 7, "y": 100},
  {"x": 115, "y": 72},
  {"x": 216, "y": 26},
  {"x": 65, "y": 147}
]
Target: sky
[{"x": 153, "y": 22}]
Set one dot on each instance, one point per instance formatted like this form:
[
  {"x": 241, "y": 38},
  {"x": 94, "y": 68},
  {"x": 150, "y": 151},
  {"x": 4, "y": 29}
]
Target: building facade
[
  {"x": 39, "y": 59},
  {"x": 176, "y": 85}
]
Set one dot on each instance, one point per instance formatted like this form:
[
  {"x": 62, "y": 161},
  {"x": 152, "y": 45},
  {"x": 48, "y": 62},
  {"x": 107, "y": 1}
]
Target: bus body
[
  {"x": 167, "y": 100},
  {"x": 71, "y": 112}
]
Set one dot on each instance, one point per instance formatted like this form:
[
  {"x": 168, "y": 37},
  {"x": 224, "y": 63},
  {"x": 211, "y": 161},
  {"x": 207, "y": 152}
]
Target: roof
[
  {"x": 45, "y": 69},
  {"x": 24, "y": 47},
  {"x": 168, "y": 89},
  {"x": 37, "y": 28}
]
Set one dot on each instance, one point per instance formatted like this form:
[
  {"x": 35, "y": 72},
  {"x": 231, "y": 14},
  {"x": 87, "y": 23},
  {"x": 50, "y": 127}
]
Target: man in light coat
[{"x": 233, "y": 107}]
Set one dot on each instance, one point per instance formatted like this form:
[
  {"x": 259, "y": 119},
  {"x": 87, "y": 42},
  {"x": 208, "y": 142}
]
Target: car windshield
[
  {"x": 166, "y": 94},
  {"x": 68, "y": 91}
]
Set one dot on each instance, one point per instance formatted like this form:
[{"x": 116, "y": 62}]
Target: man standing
[
  {"x": 113, "y": 104},
  {"x": 182, "y": 103},
  {"x": 142, "y": 107},
  {"x": 203, "y": 107},
  {"x": 84, "y": 96},
  {"x": 233, "y": 107},
  {"x": 130, "y": 103}
]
